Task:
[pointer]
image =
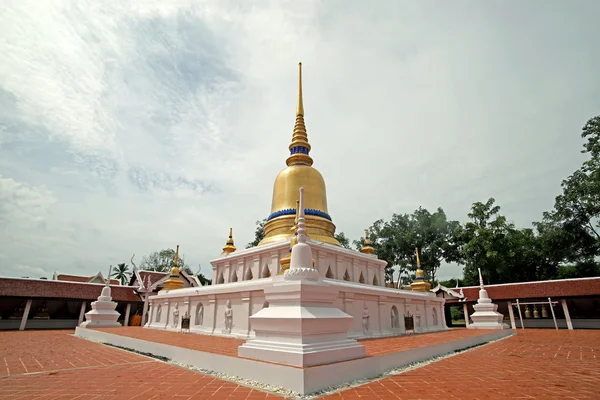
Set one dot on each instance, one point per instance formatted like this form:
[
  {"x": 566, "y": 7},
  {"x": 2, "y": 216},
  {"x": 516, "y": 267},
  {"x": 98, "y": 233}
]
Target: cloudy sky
[{"x": 132, "y": 128}]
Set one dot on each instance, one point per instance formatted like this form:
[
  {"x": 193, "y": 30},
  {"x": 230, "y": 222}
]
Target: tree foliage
[
  {"x": 259, "y": 233},
  {"x": 395, "y": 242},
  {"x": 121, "y": 273},
  {"x": 163, "y": 261}
]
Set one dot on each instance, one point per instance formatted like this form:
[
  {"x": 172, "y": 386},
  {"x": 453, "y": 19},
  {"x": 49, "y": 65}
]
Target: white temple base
[
  {"x": 102, "y": 314},
  {"x": 302, "y": 326}
]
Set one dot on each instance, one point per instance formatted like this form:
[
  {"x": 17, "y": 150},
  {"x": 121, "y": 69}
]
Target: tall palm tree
[{"x": 121, "y": 273}]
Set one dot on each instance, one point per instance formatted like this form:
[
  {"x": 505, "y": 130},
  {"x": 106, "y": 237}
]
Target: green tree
[
  {"x": 484, "y": 243},
  {"x": 343, "y": 239},
  {"x": 163, "y": 261},
  {"x": 121, "y": 273},
  {"x": 259, "y": 233},
  {"x": 395, "y": 242}
]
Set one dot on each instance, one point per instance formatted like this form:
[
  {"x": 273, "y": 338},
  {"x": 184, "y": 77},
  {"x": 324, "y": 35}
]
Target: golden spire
[
  {"x": 299, "y": 148},
  {"x": 419, "y": 284},
  {"x": 176, "y": 255},
  {"x": 367, "y": 244},
  {"x": 229, "y": 246}
]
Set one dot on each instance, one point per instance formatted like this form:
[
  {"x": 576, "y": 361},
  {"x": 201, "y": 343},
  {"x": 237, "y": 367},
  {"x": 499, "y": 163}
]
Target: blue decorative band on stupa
[
  {"x": 292, "y": 211},
  {"x": 299, "y": 150}
]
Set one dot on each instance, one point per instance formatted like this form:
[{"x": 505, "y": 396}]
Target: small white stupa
[
  {"x": 486, "y": 315},
  {"x": 102, "y": 314},
  {"x": 302, "y": 326}
]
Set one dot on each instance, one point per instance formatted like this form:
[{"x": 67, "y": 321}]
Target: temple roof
[
  {"x": 82, "y": 278},
  {"x": 528, "y": 290},
  {"x": 57, "y": 289}
]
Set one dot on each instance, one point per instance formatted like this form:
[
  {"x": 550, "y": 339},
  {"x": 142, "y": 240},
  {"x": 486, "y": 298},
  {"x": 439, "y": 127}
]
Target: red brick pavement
[
  {"x": 55, "y": 365},
  {"x": 533, "y": 364}
]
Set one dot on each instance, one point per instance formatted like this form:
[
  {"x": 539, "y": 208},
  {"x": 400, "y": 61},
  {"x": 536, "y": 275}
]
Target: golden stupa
[
  {"x": 420, "y": 284},
  {"x": 299, "y": 173},
  {"x": 174, "y": 281}
]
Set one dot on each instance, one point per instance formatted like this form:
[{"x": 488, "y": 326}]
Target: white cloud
[{"x": 166, "y": 122}]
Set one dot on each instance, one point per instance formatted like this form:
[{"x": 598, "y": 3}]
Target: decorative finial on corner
[
  {"x": 176, "y": 255},
  {"x": 229, "y": 245},
  {"x": 301, "y": 219},
  {"x": 367, "y": 244},
  {"x": 418, "y": 260},
  {"x": 480, "y": 278}
]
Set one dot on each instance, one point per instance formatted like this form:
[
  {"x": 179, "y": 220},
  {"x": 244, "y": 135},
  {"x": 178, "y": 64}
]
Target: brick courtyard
[{"x": 544, "y": 364}]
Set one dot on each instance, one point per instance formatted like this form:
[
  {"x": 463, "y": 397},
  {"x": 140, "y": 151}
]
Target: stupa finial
[
  {"x": 301, "y": 219},
  {"x": 300, "y": 104},
  {"x": 229, "y": 245},
  {"x": 480, "y": 279},
  {"x": 299, "y": 148},
  {"x": 367, "y": 247},
  {"x": 418, "y": 260}
]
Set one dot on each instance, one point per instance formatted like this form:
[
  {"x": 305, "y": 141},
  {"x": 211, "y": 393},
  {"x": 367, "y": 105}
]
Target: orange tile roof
[
  {"x": 533, "y": 290},
  {"x": 80, "y": 278},
  {"x": 20, "y": 287}
]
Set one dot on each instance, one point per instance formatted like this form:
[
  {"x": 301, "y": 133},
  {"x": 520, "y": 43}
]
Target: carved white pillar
[
  {"x": 151, "y": 308},
  {"x": 81, "y": 312},
  {"x": 25, "y": 315},
  {"x": 381, "y": 303},
  {"x": 465, "y": 310},
  {"x": 513, "y": 324},
  {"x": 215, "y": 275},
  {"x": 274, "y": 264},
  {"x": 168, "y": 310},
  {"x": 212, "y": 300},
  {"x": 127, "y": 311},
  {"x": 567, "y": 315},
  {"x": 247, "y": 307}
]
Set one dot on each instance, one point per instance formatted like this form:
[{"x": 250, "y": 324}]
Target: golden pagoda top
[
  {"x": 229, "y": 245},
  {"x": 299, "y": 173},
  {"x": 174, "y": 281},
  {"x": 367, "y": 244}
]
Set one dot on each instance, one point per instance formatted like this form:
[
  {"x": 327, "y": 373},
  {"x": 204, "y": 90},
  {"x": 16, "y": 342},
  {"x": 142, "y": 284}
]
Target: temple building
[
  {"x": 60, "y": 303},
  {"x": 240, "y": 277},
  {"x": 555, "y": 304}
]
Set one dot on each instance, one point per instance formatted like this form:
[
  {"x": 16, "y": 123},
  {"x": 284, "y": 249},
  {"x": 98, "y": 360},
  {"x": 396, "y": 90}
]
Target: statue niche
[
  {"x": 395, "y": 317},
  {"x": 365, "y": 319},
  {"x": 158, "y": 312},
  {"x": 199, "y": 314},
  {"x": 228, "y": 317},
  {"x": 175, "y": 316}
]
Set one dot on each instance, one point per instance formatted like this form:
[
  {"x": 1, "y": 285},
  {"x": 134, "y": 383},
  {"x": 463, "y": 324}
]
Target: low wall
[
  {"x": 377, "y": 311},
  {"x": 9, "y": 324},
  {"x": 534, "y": 323}
]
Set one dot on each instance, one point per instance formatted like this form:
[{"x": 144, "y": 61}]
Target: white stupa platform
[
  {"x": 220, "y": 354},
  {"x": 102, "y": 314},
  {"x": 486, "y": 315}
]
